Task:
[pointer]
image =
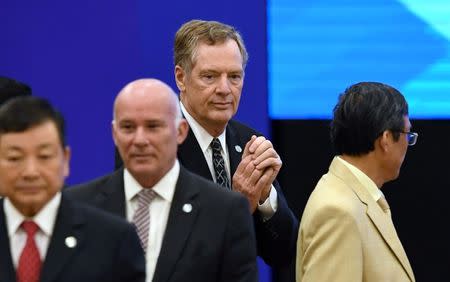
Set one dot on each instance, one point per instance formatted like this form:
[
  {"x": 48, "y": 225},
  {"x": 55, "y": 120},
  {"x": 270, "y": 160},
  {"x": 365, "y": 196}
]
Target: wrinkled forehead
[{"x": 212, "y": 52}]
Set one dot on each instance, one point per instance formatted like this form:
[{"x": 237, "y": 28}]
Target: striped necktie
[{"x": 141, "y": 217}]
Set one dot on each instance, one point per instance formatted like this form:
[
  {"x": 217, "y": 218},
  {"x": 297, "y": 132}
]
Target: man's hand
[{"x": 257, "y": 170}]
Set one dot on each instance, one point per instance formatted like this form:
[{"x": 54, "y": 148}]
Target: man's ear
[
  {"x": 180, "y": 76},
  {"x": 113, "y": 131},
  {"x": 183, "y": 128},
  {"x": 385, "y": 140},
  {"x": 67, "y": 155}
]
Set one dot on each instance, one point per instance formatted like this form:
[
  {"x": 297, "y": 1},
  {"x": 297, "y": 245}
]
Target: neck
[
  {"x": 368, "y": 165},
  {"x": 213, "y": 130}
]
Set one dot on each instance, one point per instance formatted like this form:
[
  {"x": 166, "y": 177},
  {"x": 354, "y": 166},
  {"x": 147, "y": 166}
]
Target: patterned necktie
[
  {"x": 141, "y": 217},
  {"x": 30, "y": 264},
  {"x": 219, "y": 164},
  {"x": 384, "y": 205}
]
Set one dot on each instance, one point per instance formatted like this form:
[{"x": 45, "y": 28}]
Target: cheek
[
  {"x": 124, "y": 143},
  {"x": 237, "y": 94}
]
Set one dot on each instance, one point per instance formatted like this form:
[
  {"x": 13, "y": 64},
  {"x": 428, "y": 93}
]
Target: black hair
[
  {"x": 24, "y": 112},
  {"x": 10, "y": 88},
  {"x": 364, "y": 111}
]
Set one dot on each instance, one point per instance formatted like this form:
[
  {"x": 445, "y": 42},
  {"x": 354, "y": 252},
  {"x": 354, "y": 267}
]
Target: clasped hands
[{"x": 257, "y": 170}]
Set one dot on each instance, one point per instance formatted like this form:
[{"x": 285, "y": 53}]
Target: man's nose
[
  {"x": 223, "y": 86},
  {"x": 140, "y": 138},
  {"x": 30, "y": 169}
]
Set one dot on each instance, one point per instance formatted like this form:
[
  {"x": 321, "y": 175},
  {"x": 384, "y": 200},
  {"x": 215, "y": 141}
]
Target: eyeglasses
[{"x": 412, "y": 137}]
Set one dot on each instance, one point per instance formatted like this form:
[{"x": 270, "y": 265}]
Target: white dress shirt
[
  {"x": 269, "y": 207},
  {"x": 159, "y": 211},
  {"x": 45, "y": 219}
]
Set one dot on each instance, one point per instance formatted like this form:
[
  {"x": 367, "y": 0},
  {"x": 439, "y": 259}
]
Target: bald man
[{"x": 190, "y": 228}]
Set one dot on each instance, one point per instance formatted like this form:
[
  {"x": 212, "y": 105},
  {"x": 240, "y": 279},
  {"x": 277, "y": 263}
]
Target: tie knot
[
  {"x": 145, "y": 196},
  {"x": 215, "y": 145},
  {"x": 30, "y": 227},
  {"x": 383, "y": 203}
]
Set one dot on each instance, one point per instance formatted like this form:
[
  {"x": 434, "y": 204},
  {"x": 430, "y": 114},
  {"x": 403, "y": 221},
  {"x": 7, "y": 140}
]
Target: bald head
[
  {"x": 147, "y": 129},
  {"x": 148, "y": 89}
]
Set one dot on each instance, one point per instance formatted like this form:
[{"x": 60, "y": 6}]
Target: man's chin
[
  {"x": 222, "y": 116},
  {"x": 30, "y": 204},
  {"x": 141, "y": 169}
]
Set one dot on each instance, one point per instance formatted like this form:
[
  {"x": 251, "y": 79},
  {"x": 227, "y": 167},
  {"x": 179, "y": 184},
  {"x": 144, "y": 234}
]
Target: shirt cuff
[{"x": 270, "y": 205}]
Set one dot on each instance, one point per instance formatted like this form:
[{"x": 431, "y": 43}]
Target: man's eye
[
  {"x": 45, "y": 157},
  {"x": 126, "y": 127},
  {"x": 236, "y": 78},
  {"x": 13, "y": 158},
  {"x": 208, "y": 77}
]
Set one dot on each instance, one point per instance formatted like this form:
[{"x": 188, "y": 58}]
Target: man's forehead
[
  {"x": 143, "y": 120},
  {"x": 203, "y": 49},
  {"x": 45, "y": 134},
  {"x": 20, "y": 147}
]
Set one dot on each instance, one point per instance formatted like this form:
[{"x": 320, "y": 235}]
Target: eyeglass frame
[{"x": 411, "y": 136}]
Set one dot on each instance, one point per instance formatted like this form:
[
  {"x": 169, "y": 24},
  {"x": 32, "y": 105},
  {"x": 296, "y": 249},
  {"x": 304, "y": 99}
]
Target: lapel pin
[
  {"x": 187, "y": 208},
  {"x": 71, "y": 242},
  {"x": 238, "y": 148}
]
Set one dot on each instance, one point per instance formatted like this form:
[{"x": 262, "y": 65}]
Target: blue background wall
[{"x": 79, "y": 54}]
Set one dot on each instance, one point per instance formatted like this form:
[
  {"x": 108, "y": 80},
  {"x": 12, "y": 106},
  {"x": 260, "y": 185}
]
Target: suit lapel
[
  {"x": 7, "y": 271},
  {"x": 68, "y": 224},
  {"x": 381, "y": 220},
  {"x": 234, "y": 145},
  {"x": 191, "y": 156},
  {"x": 384, "y": 224},
  {"x": 179, "y": 225},
  {"x": 111, "y": 197}
]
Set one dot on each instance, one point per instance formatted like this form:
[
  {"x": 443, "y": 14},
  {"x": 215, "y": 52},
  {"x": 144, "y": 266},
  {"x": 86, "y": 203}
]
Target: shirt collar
[
  {"x": 45, "y": 218},
  {"x": 203, "y": 137},
  {"x": 368, "y": 183},
  {"x": 165, "y": 188}
]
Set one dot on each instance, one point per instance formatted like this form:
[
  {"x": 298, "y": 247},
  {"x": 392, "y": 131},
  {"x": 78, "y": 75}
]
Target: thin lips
[
  {"x": 140, "y": 155},
  {"x": 222, "y": 103},
  {"x": 29, "y": 188}
]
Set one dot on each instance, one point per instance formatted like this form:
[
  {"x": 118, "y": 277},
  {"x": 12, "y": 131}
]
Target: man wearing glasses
[{"x": 346, "y": 232}]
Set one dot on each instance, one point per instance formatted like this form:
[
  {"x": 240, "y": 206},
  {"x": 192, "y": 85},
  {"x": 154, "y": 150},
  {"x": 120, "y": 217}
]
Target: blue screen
[{"x": 318, "y": 48}]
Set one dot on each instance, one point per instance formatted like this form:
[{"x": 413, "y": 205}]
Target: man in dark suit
[
  {"x": 43, "y": 235},
  {"x": 210, "y": 59},
  {"x": 194, "y": 231}
]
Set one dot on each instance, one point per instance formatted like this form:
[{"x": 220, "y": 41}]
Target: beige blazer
[{"x": 345, "y": 236}]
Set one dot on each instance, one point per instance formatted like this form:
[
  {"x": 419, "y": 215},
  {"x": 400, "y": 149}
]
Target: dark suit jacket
[
  {"x": 107, "y": 248},
  {"x": 213, "y": 242},
  {"x": 277, "y": 237}
]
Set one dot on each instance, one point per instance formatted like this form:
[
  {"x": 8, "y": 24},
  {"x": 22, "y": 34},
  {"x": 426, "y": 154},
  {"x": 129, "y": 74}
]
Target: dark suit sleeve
[
  {"x": 130, "y": 261},
  {"x": 118, "y": 163},
  {"x": 239, "y": 263},
  {"x": 277, "y": 237}
]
